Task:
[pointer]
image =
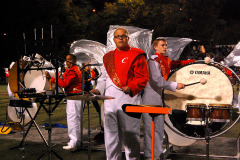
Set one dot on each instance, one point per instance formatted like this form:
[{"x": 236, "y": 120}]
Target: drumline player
[
  {"x": 159, "y": 68},
  {"x": 72, "y": 83},
  {"x": 124, "y": 75},
  {"x": 88, "y": 86}
]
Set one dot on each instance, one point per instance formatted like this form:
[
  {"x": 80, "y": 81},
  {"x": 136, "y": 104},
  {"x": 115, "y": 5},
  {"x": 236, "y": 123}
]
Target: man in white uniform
[
  {"x": 72, "y": 83},
  {"x": 124, "y": 75}
]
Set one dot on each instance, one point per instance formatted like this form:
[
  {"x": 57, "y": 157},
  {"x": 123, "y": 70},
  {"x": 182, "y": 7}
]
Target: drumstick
[{"x": 202, "y": 81}]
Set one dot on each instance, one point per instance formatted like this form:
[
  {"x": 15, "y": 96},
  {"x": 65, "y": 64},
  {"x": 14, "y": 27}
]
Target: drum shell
[
  {"x": 196, "y": 112},
  {"x": 220, "y": 113}
]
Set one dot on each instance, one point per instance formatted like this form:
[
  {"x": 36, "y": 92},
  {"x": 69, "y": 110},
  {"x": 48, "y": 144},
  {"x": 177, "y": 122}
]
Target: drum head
[
  {"x": 14, "y": 113},
  {"x": 217, "y": 90}
]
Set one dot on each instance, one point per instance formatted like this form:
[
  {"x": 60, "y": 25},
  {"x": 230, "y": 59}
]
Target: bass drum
[
  {"x": 14, "y": 109},
  {"x": 217, "y": 90},
  {"x": 32, "y": 77}
]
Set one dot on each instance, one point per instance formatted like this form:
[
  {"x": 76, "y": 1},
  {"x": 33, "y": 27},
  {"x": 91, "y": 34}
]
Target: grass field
[
  {"x": 59, "y": 116},
  {"x": 34, "y": 149}
]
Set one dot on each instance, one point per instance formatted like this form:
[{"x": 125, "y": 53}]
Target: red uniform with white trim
[
  {"x": 167, "y": 65},
  {"x": 72, "y": 78},
  {"x": 122, "y": 68},
  {"x": 72, "y": 83}
]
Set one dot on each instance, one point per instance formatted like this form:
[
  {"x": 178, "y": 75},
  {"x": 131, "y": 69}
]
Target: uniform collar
[{"x": 160, "y": 55}]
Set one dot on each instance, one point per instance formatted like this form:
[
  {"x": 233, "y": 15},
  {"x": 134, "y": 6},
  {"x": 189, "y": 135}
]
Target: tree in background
[{"x": 90, "y": 19}]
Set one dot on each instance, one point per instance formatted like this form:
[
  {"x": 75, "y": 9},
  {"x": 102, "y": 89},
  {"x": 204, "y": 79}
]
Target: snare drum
[
  {"x": 195, "y": 111},
  {"x": 220, "y": 112}
]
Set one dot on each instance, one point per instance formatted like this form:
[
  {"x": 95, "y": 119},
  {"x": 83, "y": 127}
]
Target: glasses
[{"x": 122, "y": 37}]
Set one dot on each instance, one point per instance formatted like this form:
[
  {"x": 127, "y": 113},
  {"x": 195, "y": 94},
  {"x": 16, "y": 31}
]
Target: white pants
[
  {"x": 119, "y": 127},
  {"x": 74, "y": 110},
  {"x": 158, "y": 135}
]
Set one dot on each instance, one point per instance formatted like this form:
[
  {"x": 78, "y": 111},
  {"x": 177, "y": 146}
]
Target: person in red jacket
[
  {"x": 72, "y": 83},
  {"x": 124, "y": 76},
  {"x": 166, "y": 64}
]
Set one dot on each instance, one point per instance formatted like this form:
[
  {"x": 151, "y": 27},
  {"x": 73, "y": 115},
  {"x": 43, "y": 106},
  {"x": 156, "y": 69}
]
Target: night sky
[{"x": 10, "y": 44}]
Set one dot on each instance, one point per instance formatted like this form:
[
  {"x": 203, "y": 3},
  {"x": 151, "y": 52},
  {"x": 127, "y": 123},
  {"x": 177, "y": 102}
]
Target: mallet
[{"x": 202, "y": 81}]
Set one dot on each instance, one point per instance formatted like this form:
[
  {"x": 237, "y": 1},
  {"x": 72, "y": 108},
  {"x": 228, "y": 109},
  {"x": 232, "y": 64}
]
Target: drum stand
[
  {"x": 22, "y": 144},
  {"x": 153, "y": 112},
  {"x": 89, "y": 132},
  {"x": 49, "y": 128},
  {"x": 207, "y": 139},
  {"x": 29, "y": 127}
]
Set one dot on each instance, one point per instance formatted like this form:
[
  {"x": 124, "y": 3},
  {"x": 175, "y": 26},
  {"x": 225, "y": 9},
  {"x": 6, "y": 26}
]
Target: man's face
[
  {"x": 69, "y": 61},
  {"x": 87, "y": 68},
  {"x": 161, "y": 47},
  {"x": 121, "y": 39}
]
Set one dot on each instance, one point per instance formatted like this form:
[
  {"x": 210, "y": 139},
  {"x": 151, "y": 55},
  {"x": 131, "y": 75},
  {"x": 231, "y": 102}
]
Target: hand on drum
[
  {"x": 47, "y": 75},
  {"x": 180, "y": 86}
]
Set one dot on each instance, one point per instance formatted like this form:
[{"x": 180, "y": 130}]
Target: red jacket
[
  {"x": 167, "y": 65},
  {"x": 127, "y": 68},
  {"x": 72, "y": 80}
]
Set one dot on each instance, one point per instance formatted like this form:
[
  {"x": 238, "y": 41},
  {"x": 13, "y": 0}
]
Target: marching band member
[
  {"x": 159, "y": 69},
  {"x": 72, "y": 83},
  {"x": 124, "y": 75}
]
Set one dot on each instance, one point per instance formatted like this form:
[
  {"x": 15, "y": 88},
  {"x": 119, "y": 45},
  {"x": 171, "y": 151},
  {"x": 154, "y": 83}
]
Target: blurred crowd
[{"x": 198, "y": 52}]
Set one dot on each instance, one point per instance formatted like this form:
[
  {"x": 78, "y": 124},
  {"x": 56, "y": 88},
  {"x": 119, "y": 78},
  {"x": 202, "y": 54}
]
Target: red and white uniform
[
  {"x": 167, "y": 65},
  {"x": 72, "y": 78},
  {"x": 159, "y": 69},
  {"x": 122, "y": 68}
]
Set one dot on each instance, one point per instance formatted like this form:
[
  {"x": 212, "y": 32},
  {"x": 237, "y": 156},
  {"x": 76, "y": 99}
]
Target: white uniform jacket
[{"x": 153, "y": 91}]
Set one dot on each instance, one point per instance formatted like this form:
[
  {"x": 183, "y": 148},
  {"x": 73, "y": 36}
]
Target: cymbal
[{"x": 88, "y": 97}]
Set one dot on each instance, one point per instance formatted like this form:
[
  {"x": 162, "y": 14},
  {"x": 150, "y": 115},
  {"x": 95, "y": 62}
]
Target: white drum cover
[{"x": 217, "y": 90}]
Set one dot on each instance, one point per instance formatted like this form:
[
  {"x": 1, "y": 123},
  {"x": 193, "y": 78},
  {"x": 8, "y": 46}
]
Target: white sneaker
[
  {"x": 68, "y": 147},
  {"x": 71, "y": 148}
]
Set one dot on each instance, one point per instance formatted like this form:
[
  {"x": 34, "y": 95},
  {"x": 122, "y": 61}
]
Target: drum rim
[
  {"x": 219, "y": 105},
  {"x": 196, "y": 104}
]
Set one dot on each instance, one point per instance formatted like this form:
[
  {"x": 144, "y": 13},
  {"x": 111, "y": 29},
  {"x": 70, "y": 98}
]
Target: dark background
[{"x": 211, "y": 22}]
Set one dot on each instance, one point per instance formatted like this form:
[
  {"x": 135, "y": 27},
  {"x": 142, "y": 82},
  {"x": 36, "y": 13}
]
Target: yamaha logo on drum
[{"x": 200, "y": 72}]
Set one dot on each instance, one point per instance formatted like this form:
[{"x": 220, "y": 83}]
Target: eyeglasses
[{"x": 122, "y": 37}]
